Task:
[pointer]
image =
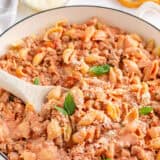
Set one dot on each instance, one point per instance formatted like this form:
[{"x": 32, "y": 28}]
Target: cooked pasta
[{"x": 112, "y": 109}]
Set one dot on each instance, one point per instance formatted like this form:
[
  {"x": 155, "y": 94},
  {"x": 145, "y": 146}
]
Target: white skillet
[{"x": 36, "y": 23}]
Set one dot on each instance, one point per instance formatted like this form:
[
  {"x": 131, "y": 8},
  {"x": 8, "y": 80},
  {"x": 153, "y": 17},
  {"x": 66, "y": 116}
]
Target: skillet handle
[{"x": 151, "y": 12}]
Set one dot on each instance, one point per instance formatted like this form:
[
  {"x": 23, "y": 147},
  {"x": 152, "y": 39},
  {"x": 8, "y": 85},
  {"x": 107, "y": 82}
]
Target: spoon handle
[
  {"x": 25, "y": 91},
  {"x": 13, "y": 85}
]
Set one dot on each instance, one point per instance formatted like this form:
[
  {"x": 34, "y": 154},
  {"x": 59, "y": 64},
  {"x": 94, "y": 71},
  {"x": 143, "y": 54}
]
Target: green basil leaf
[
  {"x": 68, "y": 107},
  {"x": 145, "y": 110},
  {"x": 36, "y": 81},
  {"x": 100, "y": 70},
  {"x": 62, "y": 110},
  {"x": 69, "y": 104}
]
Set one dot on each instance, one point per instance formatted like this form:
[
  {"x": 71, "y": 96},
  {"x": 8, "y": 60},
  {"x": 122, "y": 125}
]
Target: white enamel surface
[{"x": 37, "y": 23}]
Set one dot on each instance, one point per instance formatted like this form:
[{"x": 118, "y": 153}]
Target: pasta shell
[
  {"x": 113, "y": 111},
  {"x": 53, "y": 129},
  {"x": 112, "y": 76},
  {"x": 99, "y": 35},
  {"x": 61, "y": 22},
  {"x": 131, "y": 67},
  {"x": 154, "y": 132},
  {"x": 23, "y": 53},
  {"x": 132, "y": 115},
  {"x": 136, "y": 80},
  {"x": 17, "y": 45},
  {"x": 118, "y": 73},
  {"x": 155, "y": 143},
  {"x": 4, "y": 131},
  {"x": 80, "y": 136},
  {"x": 120, "y": 42},
  {"x": 48, "y": 152},
  {"x": 156, "y": 51},
  {"x": 92, "y": 58},
  {"x": 27, "y": 155},
  {"x": 99, "y": 115},
  {"x": 19, "y": 72},
  {"x": 151, "y": 71},
  {"x": 70, "y": 32},
  {"x": 67, "y": 53},
  {"x": 129, "y": 128},
  {"x": 56, "y": 30},
  {"x": 29, "y": 108},
  {"x": 78, "y": 96},
  {"x": 48, "y": 44},
  {"x": 37, "y": 59},
  {"x": 87, "y": 119},
  {"x": 23, "y": 129},
  {"x": 130, "y": 42},
  {"x": 150, "y": 45},
  {"x": 67, "y": 131},
  {"x": 89, "y": 32},
  {"x": 84, "y": 68},
  {"x": 91, "y": 133},
  {"x": 55, "y": 93},
  {"x": 136, "y": 37},
  {"x": 144, "y": 94}
]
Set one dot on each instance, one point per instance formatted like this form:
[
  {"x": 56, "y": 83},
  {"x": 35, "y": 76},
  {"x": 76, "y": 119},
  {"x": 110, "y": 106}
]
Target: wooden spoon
[{"x": 29, "y": 93}]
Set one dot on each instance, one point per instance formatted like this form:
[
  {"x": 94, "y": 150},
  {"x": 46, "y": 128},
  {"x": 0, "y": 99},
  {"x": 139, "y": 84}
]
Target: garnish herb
[
  {"x": 145, "y": 110},
  {"x": 60, "y": 109},
  {"x": 68, "y": 106},
  {"x": 100, "y": 70},
  {"x": 36, "y": 81}
]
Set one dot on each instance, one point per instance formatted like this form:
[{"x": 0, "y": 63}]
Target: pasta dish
[{"x": 112, "y": 108}]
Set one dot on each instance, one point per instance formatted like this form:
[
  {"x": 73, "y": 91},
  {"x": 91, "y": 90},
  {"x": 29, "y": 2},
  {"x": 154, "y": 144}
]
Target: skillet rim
[{"x": 74, "y": 6}]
